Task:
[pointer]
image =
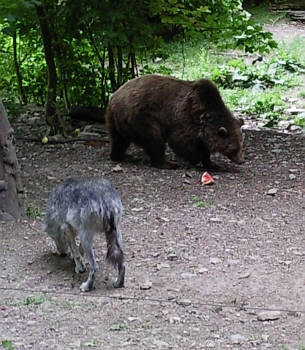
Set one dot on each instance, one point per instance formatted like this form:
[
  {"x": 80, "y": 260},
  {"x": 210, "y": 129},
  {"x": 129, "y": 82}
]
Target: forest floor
[{"x": 207, "y": 267}]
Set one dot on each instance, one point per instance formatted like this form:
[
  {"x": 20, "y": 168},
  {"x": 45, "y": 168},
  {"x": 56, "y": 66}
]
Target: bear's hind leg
[
  {"x": 156, "y": 151},
  {"x": 118, "y": 146}
]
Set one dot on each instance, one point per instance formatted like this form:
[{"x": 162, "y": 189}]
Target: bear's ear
[
  {"x": 241, "y": 121},
  {"x": 223, "y": 132}
]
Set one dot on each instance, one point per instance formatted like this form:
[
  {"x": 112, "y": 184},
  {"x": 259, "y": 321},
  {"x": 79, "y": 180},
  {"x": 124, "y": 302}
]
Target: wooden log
[
  {"x": 285, "y": 5},
  {"x": 297, "y": 15}
]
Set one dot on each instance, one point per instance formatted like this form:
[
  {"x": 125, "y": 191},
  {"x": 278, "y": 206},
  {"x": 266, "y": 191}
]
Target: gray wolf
[{"x": 81, "y": 208}]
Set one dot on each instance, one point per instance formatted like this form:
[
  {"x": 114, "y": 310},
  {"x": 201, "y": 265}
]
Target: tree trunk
[
  {"x": 112, "y": 68},
  {"x": 120, "y": 65},
  {"x": 50, "y": 108},
  {"x": 101, "y": 58},
  {"x": 17, "y": 71},
  {"x": 11, "y": 202}
]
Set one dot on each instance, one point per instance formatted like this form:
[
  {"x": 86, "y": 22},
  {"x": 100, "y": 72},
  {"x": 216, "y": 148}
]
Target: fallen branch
[{"x": 61, "y": 141}]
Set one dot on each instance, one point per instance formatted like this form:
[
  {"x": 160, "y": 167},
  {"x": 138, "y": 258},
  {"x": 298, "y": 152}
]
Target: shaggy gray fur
[{"x": 83, "y": 207}]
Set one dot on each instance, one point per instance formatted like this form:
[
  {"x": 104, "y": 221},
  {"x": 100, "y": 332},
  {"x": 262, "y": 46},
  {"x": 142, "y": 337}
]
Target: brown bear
[{"x": 189, "y": 115}]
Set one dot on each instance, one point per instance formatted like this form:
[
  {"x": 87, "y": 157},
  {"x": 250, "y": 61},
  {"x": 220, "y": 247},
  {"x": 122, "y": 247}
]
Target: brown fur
[{"x": 190, "y": 116}]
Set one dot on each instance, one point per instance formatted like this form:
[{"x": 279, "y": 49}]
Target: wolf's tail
[{"x": 114, "y": 253}]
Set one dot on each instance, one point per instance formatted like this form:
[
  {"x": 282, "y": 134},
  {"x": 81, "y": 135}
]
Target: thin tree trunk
[
  {"x": 11, "y": 202},
  {"x": 105, "y": 98},
  {"x": 63, "y": 75},
  {"x": 17, "y": 70},
  {"x": 111, "y": 68},
  {"x": 50, "y": 108},
  {"x": 120, "y": 66},
  {"x": 101, "y": 59}
]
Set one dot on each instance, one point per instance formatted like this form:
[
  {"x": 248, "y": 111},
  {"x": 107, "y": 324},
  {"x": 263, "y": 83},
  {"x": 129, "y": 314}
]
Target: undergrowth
[{"x": 252, "y": 84}]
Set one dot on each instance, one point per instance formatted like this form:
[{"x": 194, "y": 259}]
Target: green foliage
[
  {"x": 94, "y": 343},
  {"x": 33, "y": 213},
  {"x": 11, "y": 104},
  {"x": 117, "y": 327},
  {"x": 160, "y": 69},
  {"x": 222, "y": 21},
  {"x": 106, "y": 43},
  {"x": 36, "y": 300},
  {"x": 300, "y": 120},
  {"x": 236, "y": 73},
  {"x": 201, "y": 203},
  {"x": 7, "y": 344},
  {"x": 269, "y": 108}
]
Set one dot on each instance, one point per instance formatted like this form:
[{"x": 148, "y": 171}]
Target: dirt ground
[{"x": 207, "y": 267}]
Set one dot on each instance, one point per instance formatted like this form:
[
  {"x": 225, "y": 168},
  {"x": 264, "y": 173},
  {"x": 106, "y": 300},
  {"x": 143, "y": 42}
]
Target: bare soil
[{"x": 207, "y": 267}]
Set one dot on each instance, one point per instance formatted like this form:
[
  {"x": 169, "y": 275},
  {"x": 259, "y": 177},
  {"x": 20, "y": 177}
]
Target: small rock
[
  {"x": 210, "y": 344},
  {"x": 155, "y": 255},
  {"x": 269, "y": 315},
  {"x": 284, "y": 124},
  {"x": 233, "y": 262},
  {"x": 272, "y": 192},
  {"x": 145, "y": 286},
  {"x": 160, "y": 344},
  {"x": 164, "y": 219},
  {"x": 132, "y": 319},
  {"x": 244, "y": 275},
  {"x": 202, "y": 270},
  {"x": 184, "y": 302},
  {"x": 137, "y": 209},
  {"x": 265, "y": 337},
  {"x": 117, "y": 168},
  {"x": 172, "y": 256},
  {"x": 237, "y": 338},
  {"x": 188, "y": 275},
  {"x": 292, "y": 176},
  {"x": 174, "y": 320},
  {"x": 295, "y": 128},
  {"x": 187, "y": 174},
  {"x": 216, "y": 220},
  {"x": 295, "y": 111},
  {"x": 215, "y": 261},
  {"x": 162, "y": 266}
]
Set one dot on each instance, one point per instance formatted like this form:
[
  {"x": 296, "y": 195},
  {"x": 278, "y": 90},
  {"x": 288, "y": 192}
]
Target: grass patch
[
  {"x": 117, "y": 327},
  {"x": 33, "y": 212},
  {"x": 35, "y": 300},
  {"x": 196, "y": 201},
  {"x": 94, "y": 343},
  {"x": 7, "y": 344}
]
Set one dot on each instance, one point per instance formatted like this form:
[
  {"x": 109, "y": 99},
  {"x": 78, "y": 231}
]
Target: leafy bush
[
  {"x": 260, "y": 76},
  {"x": 269, "y": 108}
]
